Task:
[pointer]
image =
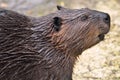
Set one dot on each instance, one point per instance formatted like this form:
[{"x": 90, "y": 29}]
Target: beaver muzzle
[{"x": 105, "y": 30}]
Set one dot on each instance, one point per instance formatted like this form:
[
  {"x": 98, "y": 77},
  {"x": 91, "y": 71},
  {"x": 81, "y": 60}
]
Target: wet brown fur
[{"x": 31, "y": 49}]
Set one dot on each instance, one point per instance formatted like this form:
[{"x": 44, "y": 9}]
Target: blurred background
[{"x": 101, "y": 62}]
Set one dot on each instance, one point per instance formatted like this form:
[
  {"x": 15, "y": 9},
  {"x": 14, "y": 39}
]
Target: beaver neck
[{"x": 58, "y": 62}]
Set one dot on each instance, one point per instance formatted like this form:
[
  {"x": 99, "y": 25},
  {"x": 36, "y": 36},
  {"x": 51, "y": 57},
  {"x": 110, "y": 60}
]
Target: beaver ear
[
  {"x": 60, "y": 7},
  {"x": 57, "y": 22}
]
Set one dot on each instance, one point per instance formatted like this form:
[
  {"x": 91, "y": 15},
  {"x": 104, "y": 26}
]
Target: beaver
[{"x": 46, "y": 47}]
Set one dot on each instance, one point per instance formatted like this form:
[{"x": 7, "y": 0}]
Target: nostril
[{"x": 107, "y": 18}]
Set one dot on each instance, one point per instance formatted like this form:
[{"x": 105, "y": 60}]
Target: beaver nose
[{"x": 106, "y": 18}]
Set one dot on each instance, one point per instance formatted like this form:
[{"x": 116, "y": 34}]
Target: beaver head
[{"x": 78, "y": 29}]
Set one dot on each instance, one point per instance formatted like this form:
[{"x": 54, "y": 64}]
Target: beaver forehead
[{"x": 74, "y": 13}]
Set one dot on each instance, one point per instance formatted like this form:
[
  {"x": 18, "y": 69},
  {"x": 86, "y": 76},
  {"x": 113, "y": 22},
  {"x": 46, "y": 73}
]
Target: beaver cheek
[{"x": 91, "y": 43}]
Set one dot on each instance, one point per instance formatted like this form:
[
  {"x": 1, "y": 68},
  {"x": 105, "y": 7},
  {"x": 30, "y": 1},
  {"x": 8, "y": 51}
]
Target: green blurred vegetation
[{"x": 101, "y": 62}]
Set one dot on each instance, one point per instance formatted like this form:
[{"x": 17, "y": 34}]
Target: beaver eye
[{"x": 83, "y": 18}]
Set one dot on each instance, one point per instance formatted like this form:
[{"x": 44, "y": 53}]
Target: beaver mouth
[{"x": 101, "y": 37}]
